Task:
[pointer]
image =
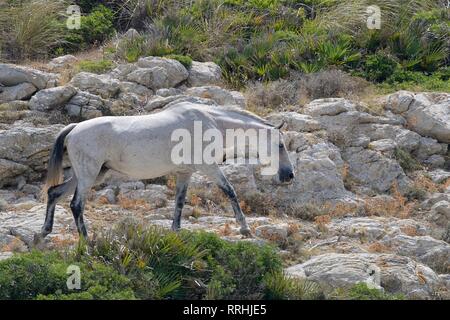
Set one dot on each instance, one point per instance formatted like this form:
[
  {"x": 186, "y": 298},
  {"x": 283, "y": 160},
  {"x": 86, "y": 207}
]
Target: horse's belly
[{"x": 141, "y": 166}]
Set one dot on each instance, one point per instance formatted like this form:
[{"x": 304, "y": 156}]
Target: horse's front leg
[
  {"x": 180, "y": 198},
  {"x": 214, "y": 172}
]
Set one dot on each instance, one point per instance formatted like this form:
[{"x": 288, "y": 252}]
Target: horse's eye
[{"x": 281, "y": 145}]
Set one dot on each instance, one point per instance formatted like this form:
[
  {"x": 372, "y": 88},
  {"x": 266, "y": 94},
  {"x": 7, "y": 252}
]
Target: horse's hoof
[
  {"x": 246, "y": 233},
  {"x": 38, "y": 239}
]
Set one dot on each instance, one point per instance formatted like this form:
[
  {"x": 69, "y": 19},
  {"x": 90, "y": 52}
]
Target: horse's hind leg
[
  {"x": 214, "y": 172},
  {"x": 86, "y": 174},
  {"x": 77, "y": 206},
  {"x": 54, "y": 194},
  {"x": 180, "y": 197}
]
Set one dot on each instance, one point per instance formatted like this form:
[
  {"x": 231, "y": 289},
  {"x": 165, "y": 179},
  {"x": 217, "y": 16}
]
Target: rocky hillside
[{"x": 370, "y": 201}]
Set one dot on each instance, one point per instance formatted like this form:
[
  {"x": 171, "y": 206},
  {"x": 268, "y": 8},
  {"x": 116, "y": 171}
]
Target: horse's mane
[
  {"x": 228, "y": 108},
  {"x": 246, "y": 113}
]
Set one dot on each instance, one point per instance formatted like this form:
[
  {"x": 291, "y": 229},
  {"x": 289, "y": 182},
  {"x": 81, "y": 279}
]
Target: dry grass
[
  {"x": 207, "y": 198},
  {"x": 312, "y": 211},
  {"x": 423, "y": 182},
  {"x": 31, "y": 29},
  {"x": 259, "y": 203},
  {"x": 225, "y": 230},
  {"x": 409, "y": 231},
  {"x": 196, "y": 212},
  {"x": 171, "y": 182},
  {"x": 397, "y": 206},
  {"x": 132, "y": 204},
  {"x": 293, "y": 228},
  {"x": 15, "y": 245},
  {"x": 378, "y": 247},
  {"x": 300, "y": 89},
  {"x": 321, "y": 222},
  {"x": 102, "y": 200}
]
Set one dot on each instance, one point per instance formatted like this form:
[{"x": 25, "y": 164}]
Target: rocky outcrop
[
  {"x": 24, "y": 149},
  {"x": 52, "y": 98},
  {"x": 85, "y": 105},
  {"x": 426, "y": 113},
  {"x": 395, "y": 274},
  {"x": 217, "y": 94},
  {"x": 21, "y": 91},
  {"x": 173, "y": 70},
  {"x": 61, "y": 62},
  {"x": 12, "y": 75},
  {"x": 102, "y": 85},
  {"x": 204, "y": 73},
  {"x": 17, "y": 230}
]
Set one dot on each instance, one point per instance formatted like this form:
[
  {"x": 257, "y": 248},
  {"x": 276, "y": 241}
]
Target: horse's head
[
  {"x": 285, "y": 170},
  {"x": 285, "y": 167}
]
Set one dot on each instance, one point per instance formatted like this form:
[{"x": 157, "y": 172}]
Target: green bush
[
  {"x": 96, "y": 66},
  {"x": 98, "y": 25},
  {"x": 229, "y": 278},
  {"x": 143, "y": 45},
  {"x": 95, "y": 28},
  {"x": 406, "y": 160},
  {"x": 361, "y": 291},
  {"x": 280, "y": 287},
  {"x": 418, "y": 81},
  {"x": 186, "y": 61},
  {"x": 43, "y": 276},
  {"x": 136, "y": 262},
  {"x": 378, "y": 67}
]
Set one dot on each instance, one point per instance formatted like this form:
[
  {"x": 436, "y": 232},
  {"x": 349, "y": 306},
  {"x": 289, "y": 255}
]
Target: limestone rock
[
  {"x": 20, "y": 91},
  {"x": 396, "y": 274},
  {"x": 52, "y": 98},
  {"x": 176, "y": 72},
  {"x": 11, "y": 75},
  {"x": 219, "y": 95},
  {"x": 62, "y": 62},
  {"x": 204, "y": 73},
  {"x": 102, "y": 85}
]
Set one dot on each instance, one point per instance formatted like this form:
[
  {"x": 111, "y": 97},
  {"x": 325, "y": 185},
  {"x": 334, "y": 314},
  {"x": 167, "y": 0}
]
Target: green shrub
[
  {"x": 378, "y": 67},
  {"x": 25, "y": 276},
  {"x": 132, "y": 49},
  {"x": 418, "y": 81},
  {"x": 96, "y": 66},
  {"x": 164, "y": 264},
  {"x": 406, "y": 160},
  {"x": 186, "y": 61},
  {"x": 43, "y": 276},
  {"x": 280, "y": 287},
  {"x": 95, "y": 28},
  {"x": 235, "y": 279},
  {"x": 361, "y": 291},
  {"x": 416, "y": 193},
  {"x": 98, "y": 25},
  {"x": 149, "y": 253}
]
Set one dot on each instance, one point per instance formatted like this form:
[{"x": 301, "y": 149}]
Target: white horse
[{"x": 140, "y": 147}]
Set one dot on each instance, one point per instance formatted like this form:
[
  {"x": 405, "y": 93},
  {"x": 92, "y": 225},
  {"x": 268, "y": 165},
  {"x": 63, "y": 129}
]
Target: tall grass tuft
[{"x": 31, "y": 29}]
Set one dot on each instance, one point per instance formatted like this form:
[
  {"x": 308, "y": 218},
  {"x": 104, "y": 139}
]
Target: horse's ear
[{"x": 280, "y": 125}]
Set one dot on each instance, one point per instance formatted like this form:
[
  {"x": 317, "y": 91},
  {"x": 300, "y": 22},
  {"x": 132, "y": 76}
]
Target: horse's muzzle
[{"x": 286, "y": 176}]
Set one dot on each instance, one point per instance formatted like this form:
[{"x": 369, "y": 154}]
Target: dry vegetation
[{"x": 299, "y": 89}]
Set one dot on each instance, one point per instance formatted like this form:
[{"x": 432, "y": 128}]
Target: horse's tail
[{"x": 54, "y": 169}]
